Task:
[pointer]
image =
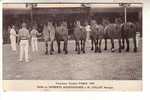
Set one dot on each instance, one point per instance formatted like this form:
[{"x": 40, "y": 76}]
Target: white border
[{"x": 98, "y": 95}]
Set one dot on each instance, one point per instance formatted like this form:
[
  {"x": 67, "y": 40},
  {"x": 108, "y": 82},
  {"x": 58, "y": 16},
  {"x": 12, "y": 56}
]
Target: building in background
[{"x": 40, "y": 13}]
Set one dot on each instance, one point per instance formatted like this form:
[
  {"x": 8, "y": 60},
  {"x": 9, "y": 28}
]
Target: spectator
[
  {"x": 34, "y": 41},
  {"x": 13, "y": 38},
  {"x": 24, "y": 42}
]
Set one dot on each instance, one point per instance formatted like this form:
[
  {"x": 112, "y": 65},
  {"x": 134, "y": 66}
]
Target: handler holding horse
[
  {"x": 80, "y": 37},
  {"x": 113, "y": 31},
  {"x": 49, "y": 36},
  {"x": 96, "y": 34},
  {"x": 62, "y": 35},
  {"x": 129, "y": 30}
]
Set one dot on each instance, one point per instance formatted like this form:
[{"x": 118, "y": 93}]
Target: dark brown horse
[
  {"x": 113, "y": 31},
  {"x": 49, "y": 36},
  {"x": 96, "y": 35},
  {"x": 62, "y": 35},
  {"x": 79, "y": 37},
  {"x": 128, "y": 31}
]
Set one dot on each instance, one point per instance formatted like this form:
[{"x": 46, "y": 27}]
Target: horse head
[{"x": 105, "y": 22}]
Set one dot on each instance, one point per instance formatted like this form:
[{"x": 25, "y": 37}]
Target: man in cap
[{"x": 24, "y": 42}]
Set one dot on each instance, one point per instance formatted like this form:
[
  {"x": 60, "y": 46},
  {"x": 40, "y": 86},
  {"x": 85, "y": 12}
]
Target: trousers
[
  {"x": 34, "y": 44},
  {"x": 24, "y": 50},
  {"x": 13, "y": 42}
]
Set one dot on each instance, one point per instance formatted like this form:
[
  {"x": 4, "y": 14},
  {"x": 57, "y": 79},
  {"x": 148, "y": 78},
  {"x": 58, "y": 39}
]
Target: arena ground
[{"x": 88, "y": 66}]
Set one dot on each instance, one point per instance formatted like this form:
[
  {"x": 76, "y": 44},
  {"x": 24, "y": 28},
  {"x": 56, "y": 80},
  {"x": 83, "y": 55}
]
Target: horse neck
[
  {"x": 50, "y": 26},
  {"x": 78, "y": 26},
  {"x": 118, "y": 24},
  {"x": 100, "y": 25}
]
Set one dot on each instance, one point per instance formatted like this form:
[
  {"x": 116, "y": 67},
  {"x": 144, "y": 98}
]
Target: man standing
[
  {"x": 46, "y": 37},
  {"x": 87, "y": 27},
  {"x": 13, "y": 38},
  {"x": 24, "y": 42},
  {"x": 34, "y": 40},
  {"x": 49, "y": 36}
]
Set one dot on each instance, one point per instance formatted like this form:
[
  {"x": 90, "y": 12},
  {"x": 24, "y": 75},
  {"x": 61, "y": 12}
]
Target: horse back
[
  {"x": 61, "y": 33},
  {"x": 46, "y": 34},
  {"x": 94, "y": 33},
  {"x": 101, "y": 31},
  {"x": 113, "y": 31},
  {"x": 77, "y": 33},
  {"x": 128, "y": 29}
]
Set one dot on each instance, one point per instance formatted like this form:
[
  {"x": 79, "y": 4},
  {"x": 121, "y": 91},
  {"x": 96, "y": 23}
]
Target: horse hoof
[
  {"x": 92, "y": 49},
  {"x": 135, "y": 50},
  {"x": 105, "y": 48},
  {"x": 52, "y": 49},
  {"x": 66, "y": 52},
  {"x": 122, "y": 47},
  {"x": 127, "y": 50},
  {"x": 99, "y": 51},
  {"x": 51, "y": 53},
  {"x": 78, "y": 52},
  {"x": 112, "y": 50},
  {"x": 46, "y": 53},
  {"x": 119, "y": 51},
  {"x": 83, "y": 51}
]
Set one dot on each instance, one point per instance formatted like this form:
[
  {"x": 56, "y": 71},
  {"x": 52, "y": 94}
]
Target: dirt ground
[{"x": 88, "y": 66}]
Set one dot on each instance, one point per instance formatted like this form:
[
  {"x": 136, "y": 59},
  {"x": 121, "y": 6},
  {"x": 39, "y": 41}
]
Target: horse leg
[
  {"x": 119, "y": 40},
  {"x": 58, "y": 43},
  {"x": 135, "y": 45},
  {"x": 112, "y": 45},
  {"x": 84, "y": 41},
  {"x": 100, "y": 45},
  {"x": 105, "y": 44},
  {"x": 52, "y": 46},
  {"x": 127, "y": 41},
  {"x": 65, "y": 46},
  {"x": 97, "y": 45},
  {"x": 81, "y": 45},
  {"x": 76, "y": 46},
  {"x": 92, "y": 42},
  {"x": 123, "y": 46},
  {"x": 46, "y": 45},
  {"x": 95, "y": 42}
]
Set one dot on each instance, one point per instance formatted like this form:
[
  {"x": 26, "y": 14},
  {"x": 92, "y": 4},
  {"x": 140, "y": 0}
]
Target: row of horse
[{"x": 117, "y": 30}]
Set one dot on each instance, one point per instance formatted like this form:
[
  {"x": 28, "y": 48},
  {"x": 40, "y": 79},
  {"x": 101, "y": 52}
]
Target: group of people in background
[{"x": 23, "y": 37}]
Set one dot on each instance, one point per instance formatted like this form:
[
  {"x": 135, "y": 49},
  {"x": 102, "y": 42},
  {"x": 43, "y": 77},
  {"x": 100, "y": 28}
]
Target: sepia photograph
[{"x": 72, "y": 41}]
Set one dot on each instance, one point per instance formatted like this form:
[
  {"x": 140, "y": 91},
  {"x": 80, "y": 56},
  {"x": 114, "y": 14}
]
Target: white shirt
[
  {"x": 24, "y": 33},
  {"x": 12, "y": 32},
  {"x": 87, "y": 27},
  {"x": 34, "y": 32}
]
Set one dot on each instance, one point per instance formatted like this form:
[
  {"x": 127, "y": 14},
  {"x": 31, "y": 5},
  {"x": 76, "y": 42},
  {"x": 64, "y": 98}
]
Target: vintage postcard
[{"x": 66, "y": 45}]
